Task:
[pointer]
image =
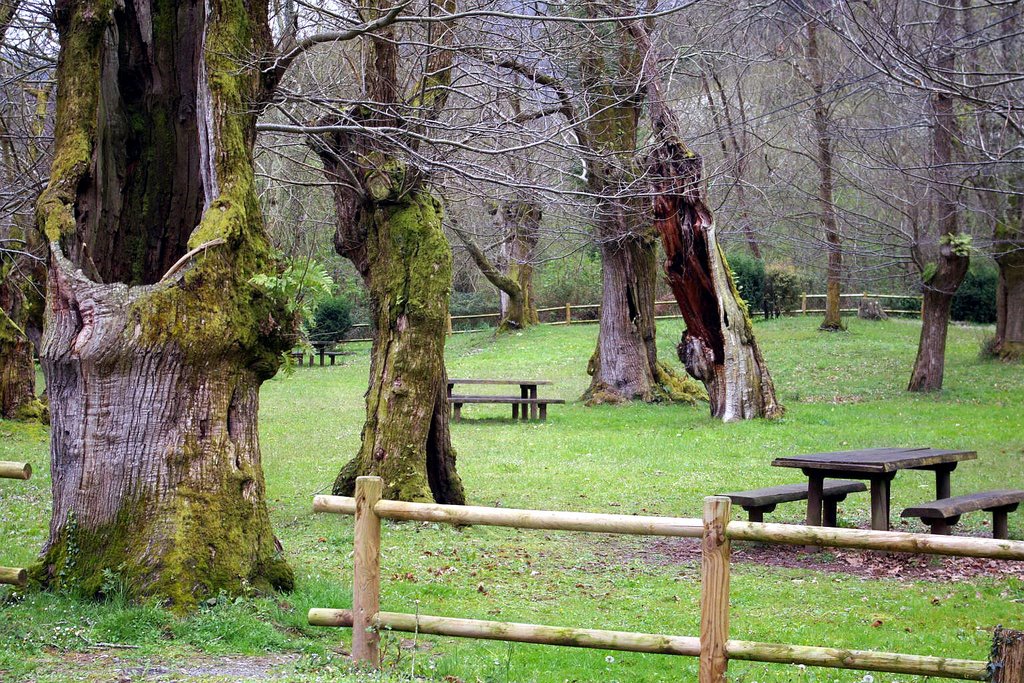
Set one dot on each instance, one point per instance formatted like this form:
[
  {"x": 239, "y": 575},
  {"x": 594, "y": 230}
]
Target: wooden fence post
[
  {"x": 568, "y": 314},
  {"x": 714, "y": 590},
  {"x": 366, "y": 572},
  {"x": 449, "y": 328},
  {"x": 1007, "y": 660},
  {"x": 803, "y": 304}
]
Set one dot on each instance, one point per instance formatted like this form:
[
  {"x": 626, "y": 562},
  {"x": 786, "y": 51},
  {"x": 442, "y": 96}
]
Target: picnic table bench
[
  {"x": 759, "y": 501},
  {"x": 943, "y": 514},
  {"x": 538, "y": 407},
  {"x": 323, "y": 353}
]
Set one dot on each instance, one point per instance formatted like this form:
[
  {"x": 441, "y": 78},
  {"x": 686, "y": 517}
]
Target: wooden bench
[
  {"x": 300, "y": 356},
  {"x": 759, "y": 501},
  {"x": 943, "y": 514},
  {"x": 515, "y": 401}
]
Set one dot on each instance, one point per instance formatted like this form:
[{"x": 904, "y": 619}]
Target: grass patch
[{"x": 841, "y": 390}]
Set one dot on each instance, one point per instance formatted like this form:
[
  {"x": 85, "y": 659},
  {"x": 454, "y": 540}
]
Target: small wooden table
[
  {"x": 527, "y": 389},
  {"x": 879, "y": 466}
]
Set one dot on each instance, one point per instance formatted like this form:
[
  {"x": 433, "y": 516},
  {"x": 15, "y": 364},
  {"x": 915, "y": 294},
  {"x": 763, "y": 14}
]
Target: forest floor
[{"x": 841, "y": 391}]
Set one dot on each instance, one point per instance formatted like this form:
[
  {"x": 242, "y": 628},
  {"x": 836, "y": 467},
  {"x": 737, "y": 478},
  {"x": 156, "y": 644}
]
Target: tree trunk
[
  {"x": 624, "y": 366},
  {"x": 833, "y": 321},
  {"x": 154, "y": 356},
  {"x": 406, "y": 438},
  {"x": 952, "y": 260},
  {"x": 718, "y": 347},
  {"x": 1009, "y": 342},
  {"x": 17, "y": 373},
  {"x": 521, "y": 230}
]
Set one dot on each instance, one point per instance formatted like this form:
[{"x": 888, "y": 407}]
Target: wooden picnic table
[
  {"x": 877, "y": 465},
  {"x": 527, "y": 390}
]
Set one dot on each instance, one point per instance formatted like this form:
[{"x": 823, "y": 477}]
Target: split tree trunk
[
  {"x": 154, "y": 361},
  {"x": 952, "y": 260},
  {"x": 718, "y": 347},
  {"x": 624, "y": 366}
]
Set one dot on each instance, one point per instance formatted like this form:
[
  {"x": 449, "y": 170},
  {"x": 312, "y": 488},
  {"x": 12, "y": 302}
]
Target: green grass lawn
[{"x": 841, "y": 391}]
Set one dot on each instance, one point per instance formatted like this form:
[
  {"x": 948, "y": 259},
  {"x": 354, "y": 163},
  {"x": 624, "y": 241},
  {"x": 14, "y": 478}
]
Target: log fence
[
  {"x": 566, "y": 316},
  {"x": 713, "y": 647},
  {"x": 14, "y": 576}
]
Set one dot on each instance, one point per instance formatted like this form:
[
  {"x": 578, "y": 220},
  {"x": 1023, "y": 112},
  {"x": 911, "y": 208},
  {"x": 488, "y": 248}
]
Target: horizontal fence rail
[
  {"x": 14, "y": 576},
  {"x": 568, "y": 319},
  {"x": 713, "y": 647}
]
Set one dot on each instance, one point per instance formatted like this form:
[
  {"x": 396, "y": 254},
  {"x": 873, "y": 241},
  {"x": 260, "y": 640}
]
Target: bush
[
  {"x": 782, "y": 289},
  {"x": 749, "y": 275},
  {"x": 570, "y": 280},
  {"x": 333, "y": 318},
  {"x": 975, "y": 301},
  {"x": 473, "y": 303}
]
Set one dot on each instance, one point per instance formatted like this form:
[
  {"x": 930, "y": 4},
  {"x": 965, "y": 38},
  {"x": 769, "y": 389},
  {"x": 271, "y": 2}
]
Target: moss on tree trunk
[
  {"x": 406, "y": 438},
  {"x": 154, "y": 387}
]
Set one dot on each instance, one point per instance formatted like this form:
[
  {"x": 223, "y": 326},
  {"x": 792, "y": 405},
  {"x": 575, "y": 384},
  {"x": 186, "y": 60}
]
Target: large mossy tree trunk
[
  {"x": 624, "y": 365},
  {"x": 389, "y": 227},
  {"x": 406, "y": 438},
  {"x": 156, "y": 342},
  {"x": 718, "y": 347},
  {"x": 943, "y": 276}
]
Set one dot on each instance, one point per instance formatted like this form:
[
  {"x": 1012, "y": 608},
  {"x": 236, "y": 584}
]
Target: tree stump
[{"x": 871, "y": 309}]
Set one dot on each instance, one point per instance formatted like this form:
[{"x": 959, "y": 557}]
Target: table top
[
  {"x": 876, "y": 460},
  {"x": 533, "y": 382}
]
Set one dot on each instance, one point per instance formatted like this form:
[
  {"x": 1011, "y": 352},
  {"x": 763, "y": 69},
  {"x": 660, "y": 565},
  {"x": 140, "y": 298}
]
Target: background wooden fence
[
  {"x": 577, "y": 314},
  {"x": 713, "y": 646},
  {"x": 14, "y": 576}
]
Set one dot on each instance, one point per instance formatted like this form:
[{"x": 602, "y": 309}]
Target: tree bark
[
  {"x": 389, "y": 226},
  {"x": 406, "y": 438},
  {"x": 1009, "y": 341},
  {"x": 154, "y": 366},
  {"x": 718, "y": 347},
  {"x": 833, "y": 321},
  {"x": 952, "y": 259},
  {"x": 624, "y": 366}
]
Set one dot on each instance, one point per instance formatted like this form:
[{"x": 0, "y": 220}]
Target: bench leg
[
  {"x": 543, "y": 412},
  {"x": 829, "y": 517},
  {"x": 755, "y": 514},
  {"x": 515, "y": 411},
  {"x": 1000, "y": 524},
  {"x": 533, "y": 406},
  {"x": 815, "y": 484},
  {"x": 880, "y": 503},
  {"x": 940, "y": 527},
  {"x": 458, "y": 412}
]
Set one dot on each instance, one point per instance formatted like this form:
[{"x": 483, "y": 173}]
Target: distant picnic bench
[
  {"x": 322, "y": 351},
  {"x": 532, "y": 406}
]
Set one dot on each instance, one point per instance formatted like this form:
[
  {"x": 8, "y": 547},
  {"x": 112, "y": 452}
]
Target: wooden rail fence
[
  {"x": 713, "y": 647},
  {"x": 567, "y": 312},
  {"x": 15, "y": 576}
]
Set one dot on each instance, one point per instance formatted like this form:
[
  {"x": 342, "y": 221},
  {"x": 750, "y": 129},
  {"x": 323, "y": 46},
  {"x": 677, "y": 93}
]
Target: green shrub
[
  {"x": 333, "y": 318},
  {"x": 975, "y": 301},
  {"x": 474, "y": 303},
  {"x": 749, "y": 275},
  {"x": 782, "y": 288},
  {"x": 571, "y": 280}
]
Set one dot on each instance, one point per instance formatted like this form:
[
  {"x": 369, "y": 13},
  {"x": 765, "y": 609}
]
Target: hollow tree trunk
[
  {"x": 952, "y": 258},
  {"x": 718, "y": 347},
  {"x": 406, "y": 438},
  {"x": 154, "y": 356}
]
